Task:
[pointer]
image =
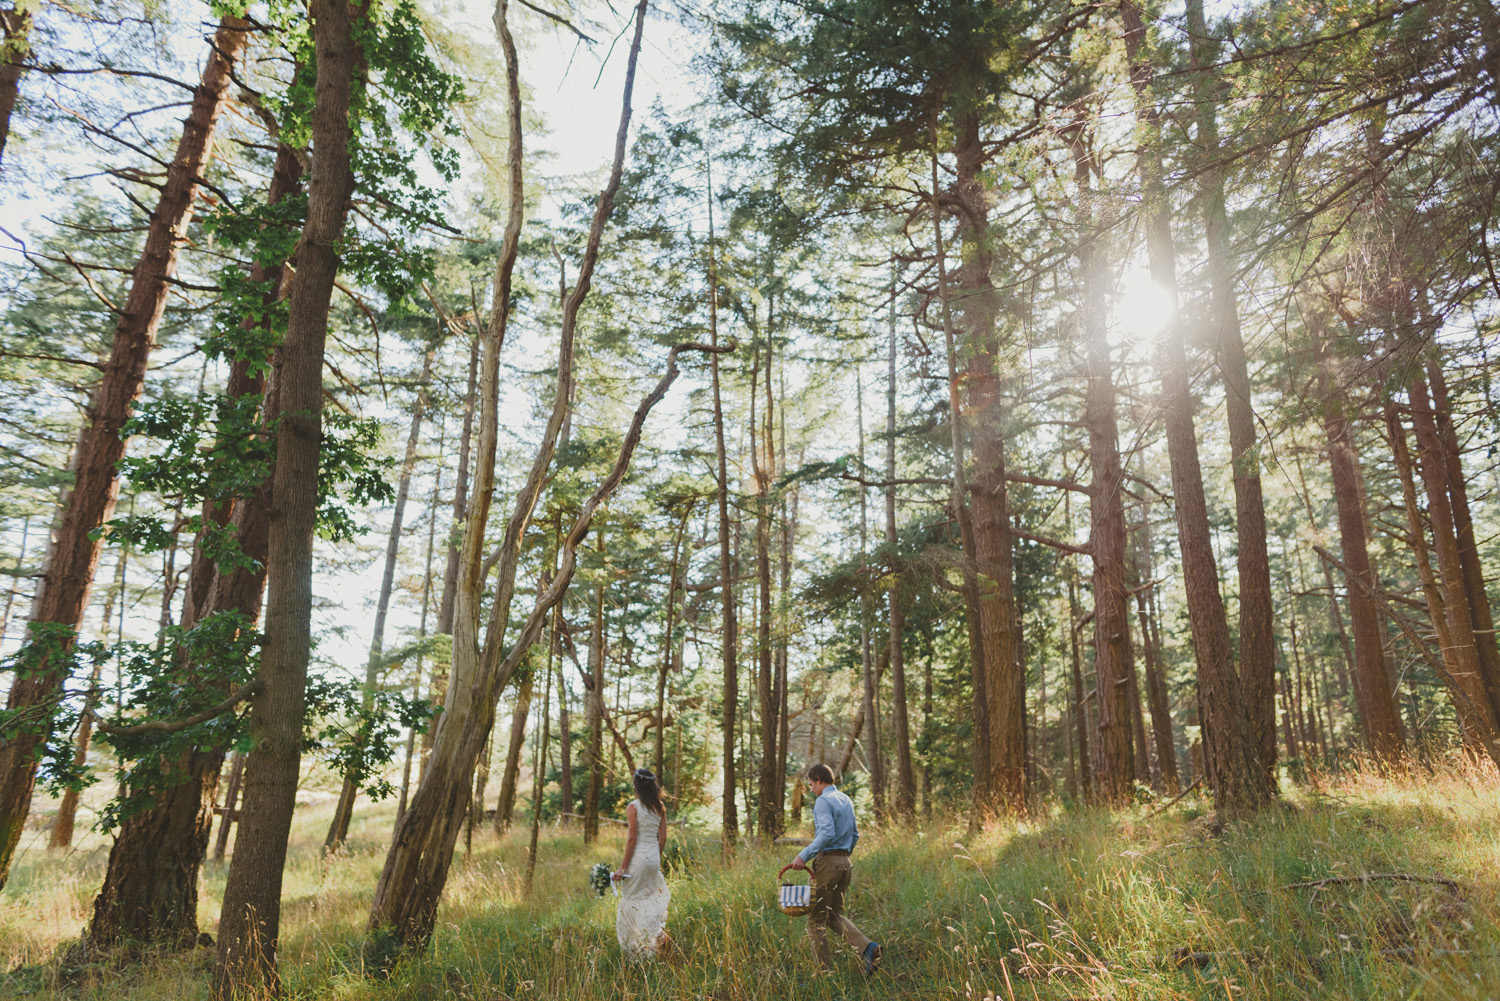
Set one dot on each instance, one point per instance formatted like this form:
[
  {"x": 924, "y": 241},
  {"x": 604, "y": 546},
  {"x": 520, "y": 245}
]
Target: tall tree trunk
[
  {"x": 416, "y": 684},
  {"x": 63, "y": 592},
  {"x": 927, "y": 722},
  {"x": 1114, "y": 770},
  {"x": 669, "y": 645},
  {"x": 150, "y": 889},
  {"x": 16, "y": 25},
  {"x": 250, "y": 923},
  {"x": 477, "y": 788},
  {"x": 1156, "y": 687},
  {"x": 67, "y": 808},
  {"x": 999, "y": 624},
  {"x": 10, "y": 593},
  {"x": 446, "y": 607},
  {"x": 876, "y": 760},
  {"x": 1372, "y": 691},
  {"x": 1231, "y": 757},
  {"x": 539, "y": 769},
  {"x": 338, "y": 829},
  {"x": 506, "y": 806},
  {"x": 1336, "y": 620},
  {"x": 1467, "y": 668},
  {"x": 731, "y": 640},
  {"x": 763, "y": 461},
  {"x": 594, "y": 707},
  {"x": 1481, "y": 616},
  {"x": 231, "y": 804},
  {"x": 417, "y": 864},
  {"x": 983, "y": 789},
  {"x": 906, "y": 788},
  {"x": 1256, "y": 640},
  {"x": 564, "y": 733},
  {"x": 61, "y": 835}
]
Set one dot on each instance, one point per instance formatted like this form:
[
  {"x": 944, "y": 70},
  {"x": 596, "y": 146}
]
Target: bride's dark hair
[{"x": 648, "y": 791}]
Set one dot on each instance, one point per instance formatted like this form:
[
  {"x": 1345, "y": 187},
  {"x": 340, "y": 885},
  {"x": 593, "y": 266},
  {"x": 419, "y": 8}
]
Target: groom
[{"x": 835, "y": 835}]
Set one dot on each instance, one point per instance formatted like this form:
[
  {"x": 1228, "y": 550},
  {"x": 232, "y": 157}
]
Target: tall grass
[{"x": 1082, "y": 904}]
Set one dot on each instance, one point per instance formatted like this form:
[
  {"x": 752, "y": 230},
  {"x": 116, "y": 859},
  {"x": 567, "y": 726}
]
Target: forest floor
[{"x": 1076, "y": 904}]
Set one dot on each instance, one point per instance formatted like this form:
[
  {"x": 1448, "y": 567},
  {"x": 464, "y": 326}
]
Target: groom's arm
[{"x": 822, "y": 829}]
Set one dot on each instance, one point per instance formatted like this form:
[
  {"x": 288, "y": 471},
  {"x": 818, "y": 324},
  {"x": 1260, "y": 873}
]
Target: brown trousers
[{"x": 830, "y": 875}]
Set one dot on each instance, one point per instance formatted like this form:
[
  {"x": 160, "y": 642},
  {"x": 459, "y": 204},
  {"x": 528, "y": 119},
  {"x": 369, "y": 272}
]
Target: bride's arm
[
  {"x": 661, "y": 833},
  {"x": 629, "y": 840}
]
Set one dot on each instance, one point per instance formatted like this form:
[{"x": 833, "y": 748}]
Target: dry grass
[{"x": 1085, "y": 904}]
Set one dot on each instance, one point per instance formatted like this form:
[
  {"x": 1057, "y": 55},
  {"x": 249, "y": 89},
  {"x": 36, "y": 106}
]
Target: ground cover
[{"x": 1360, "y": 888}]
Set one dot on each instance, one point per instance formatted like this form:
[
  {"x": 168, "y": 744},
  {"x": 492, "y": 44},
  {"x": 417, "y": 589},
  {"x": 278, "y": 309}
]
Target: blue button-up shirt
[{"x": 833, "y": 824}]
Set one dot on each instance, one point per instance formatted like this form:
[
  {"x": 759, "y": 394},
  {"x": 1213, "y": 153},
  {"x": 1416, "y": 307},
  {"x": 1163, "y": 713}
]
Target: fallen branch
[
  {"x": 1372, "y": 877},
  {"x": 1174, "y": 800}
]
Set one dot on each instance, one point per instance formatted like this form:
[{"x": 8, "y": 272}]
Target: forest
[{"x": 1073, "y": 423}]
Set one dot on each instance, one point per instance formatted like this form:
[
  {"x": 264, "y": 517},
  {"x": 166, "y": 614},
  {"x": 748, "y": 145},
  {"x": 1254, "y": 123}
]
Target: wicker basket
[{"x": 795, "y": 899}]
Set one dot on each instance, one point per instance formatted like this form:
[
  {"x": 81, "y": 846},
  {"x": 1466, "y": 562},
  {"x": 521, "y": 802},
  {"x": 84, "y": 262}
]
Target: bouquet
[{"x": 599, "y": 877}]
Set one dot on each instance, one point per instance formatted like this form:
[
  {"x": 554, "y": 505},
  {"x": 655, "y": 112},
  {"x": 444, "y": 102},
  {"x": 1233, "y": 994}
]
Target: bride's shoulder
[{"x": 631, "y": 808}]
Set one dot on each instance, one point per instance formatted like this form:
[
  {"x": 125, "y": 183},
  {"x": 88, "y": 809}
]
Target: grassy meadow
[{"x": 1071, "y": 905}]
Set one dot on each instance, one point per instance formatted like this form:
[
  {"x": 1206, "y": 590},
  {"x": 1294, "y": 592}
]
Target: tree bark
[
  {"x": 150, "y": 889},
  {"x": 594, "y": 706},
  {"x": 63, "y": 592},
  {"x": 16, "y": 25},
  {"x": 505, "y": 807},
  {"x": 978, "y": 306},
  {"x": 870, "y": 684},
  {"x": 669, "y": 645},
  {"x": 1114, "y": 766},
  {"x": 416, "y": 685},
  {"x": 763, "y": 463},
  {"x": 61, "y": 835},
  {"x": 906, "y": 790},
  {"x": 1372, "y": 690},
  {"x": 446, "y": 607},
  {"x": 983, "y": 782},
  {"x": 565, "y": 736},
  {"x": 249, "y": 925},
  {"x": 231, "y": 804},
  {"x": 1156, "y": 688},
  {"x": 1257, "y": 644},
  {"x": 539, "y": 769},
  {"x": 1480, "y": 614},
  {"x": 338, "y": 829},
  {"x": 1231, "y": 758},
  {"x": 730, "y": 626},
  {"x": 1467, "y": 668}
]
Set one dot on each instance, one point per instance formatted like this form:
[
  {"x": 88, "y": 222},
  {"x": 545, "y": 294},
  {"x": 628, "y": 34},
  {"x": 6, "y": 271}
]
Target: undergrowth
[{"x": 1071, "y": 904}]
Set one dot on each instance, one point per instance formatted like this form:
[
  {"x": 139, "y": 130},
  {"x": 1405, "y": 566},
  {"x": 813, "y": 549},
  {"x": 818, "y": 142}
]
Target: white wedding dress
[{"x": 641, "y": 916}]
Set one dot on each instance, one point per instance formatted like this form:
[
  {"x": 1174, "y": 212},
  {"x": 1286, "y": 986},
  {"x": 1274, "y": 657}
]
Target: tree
[
  {"x": 1232, "y": 760},
  {"x": 249, "y": 925},
  {"x": 64, "y": 591}
]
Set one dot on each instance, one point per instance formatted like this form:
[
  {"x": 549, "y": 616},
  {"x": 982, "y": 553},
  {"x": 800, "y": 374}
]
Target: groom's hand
[{"x": 797, "y": 863}]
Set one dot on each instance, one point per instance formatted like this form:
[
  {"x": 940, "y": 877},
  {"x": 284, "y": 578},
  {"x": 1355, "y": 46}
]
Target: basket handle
[{"x": 784, "y": 868}]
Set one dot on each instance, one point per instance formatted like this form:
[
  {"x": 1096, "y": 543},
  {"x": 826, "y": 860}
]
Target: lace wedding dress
[{"x": 641, "y": 916}]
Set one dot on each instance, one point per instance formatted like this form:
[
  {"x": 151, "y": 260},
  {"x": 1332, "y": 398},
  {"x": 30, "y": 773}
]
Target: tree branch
[
  {"x": 1045, "y": 540},
  {"x": 165, "y": 726}
]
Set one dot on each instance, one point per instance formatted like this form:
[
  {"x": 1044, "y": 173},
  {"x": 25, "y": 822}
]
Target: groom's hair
[{"x": 821, "y": 773}]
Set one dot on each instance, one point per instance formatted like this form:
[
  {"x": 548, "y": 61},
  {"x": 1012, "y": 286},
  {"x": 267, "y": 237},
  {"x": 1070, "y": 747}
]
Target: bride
[{"x": 641, "y": 918}]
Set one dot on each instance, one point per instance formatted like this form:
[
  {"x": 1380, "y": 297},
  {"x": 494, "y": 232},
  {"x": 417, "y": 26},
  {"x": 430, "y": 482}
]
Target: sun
[{"x": 1142, "y": 309}]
